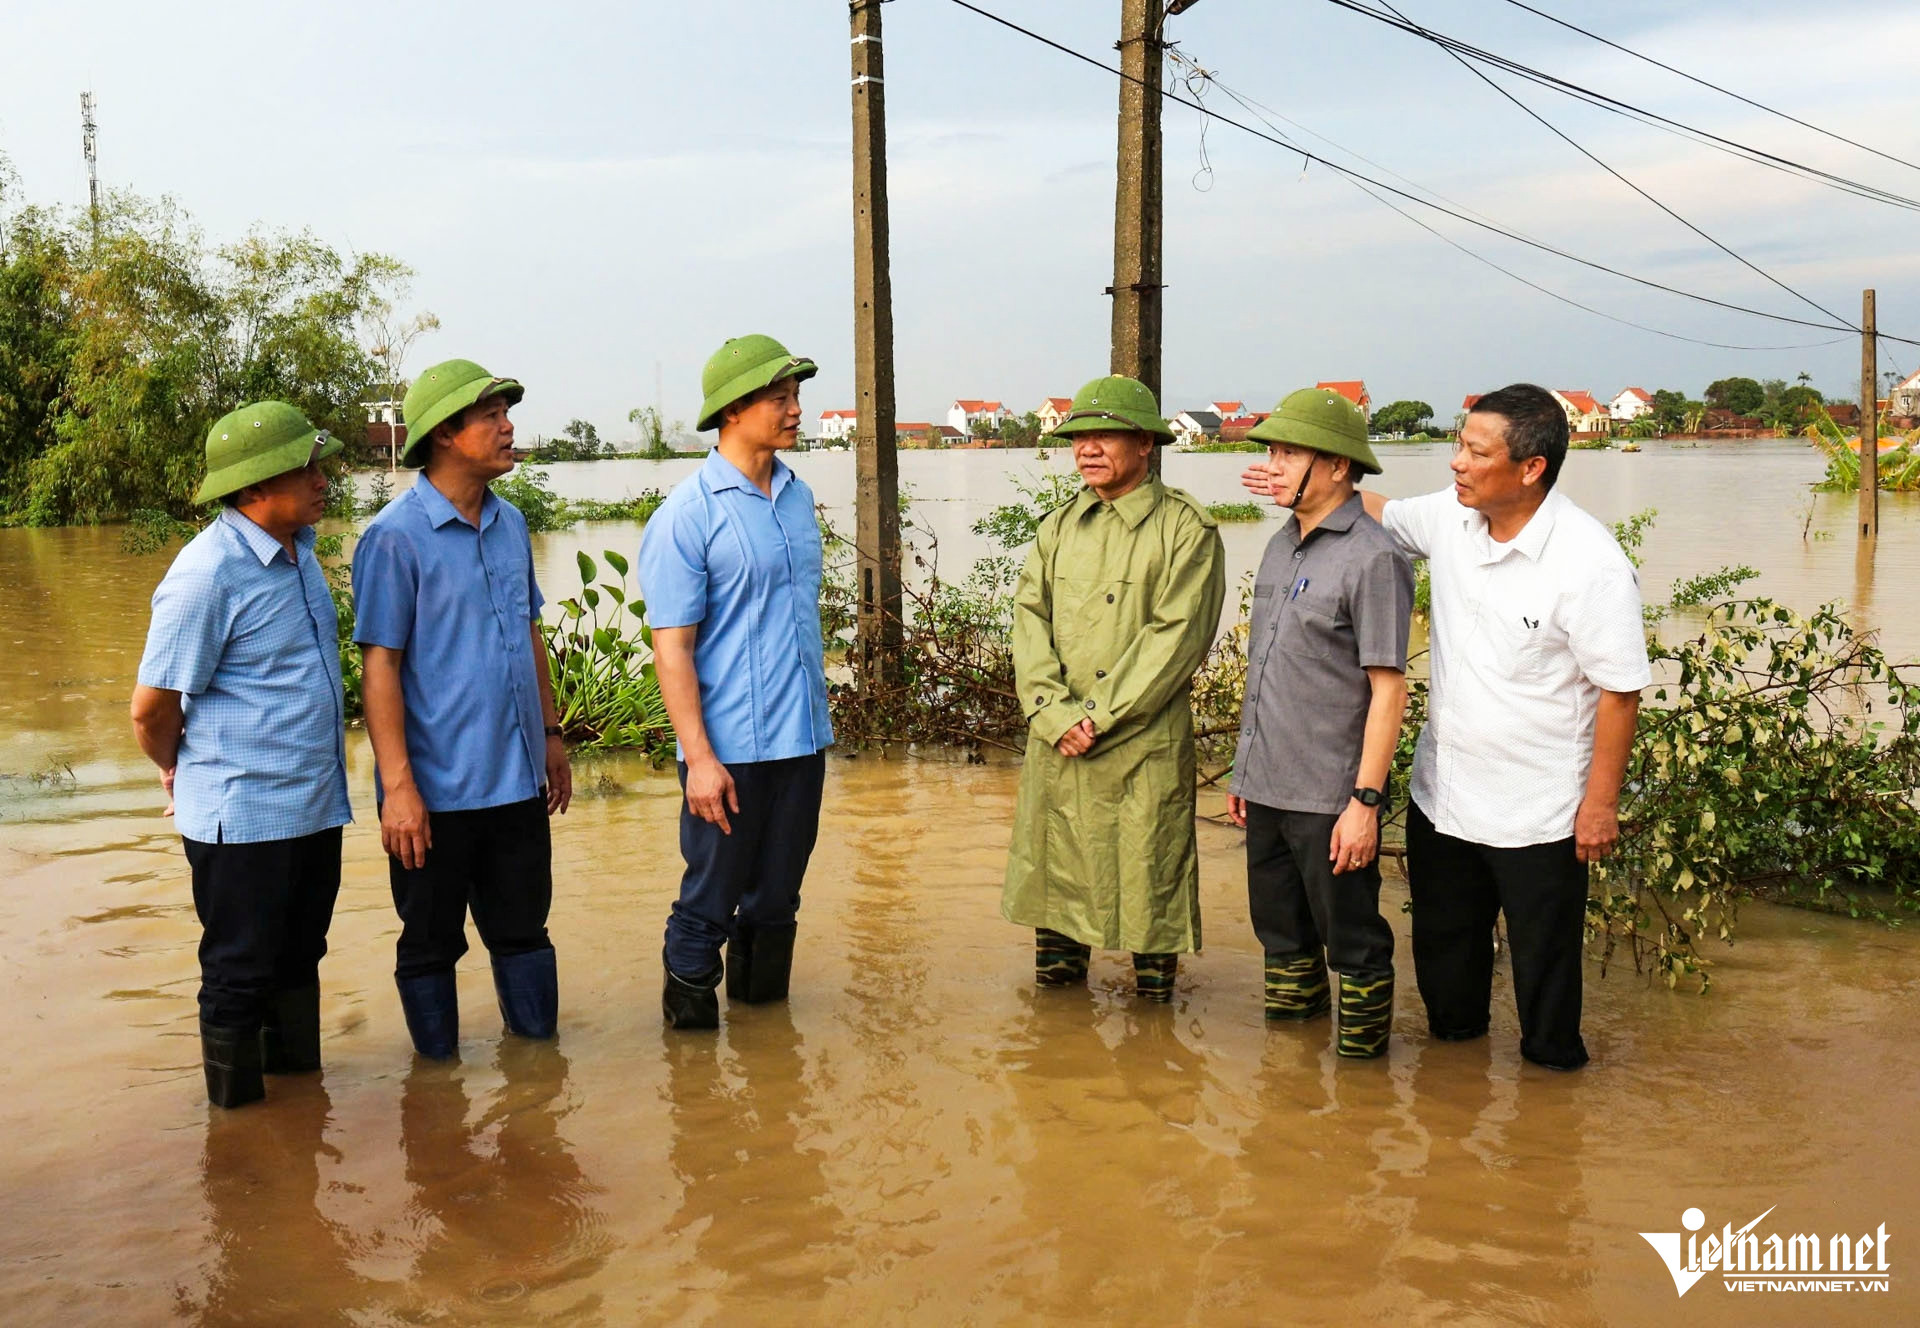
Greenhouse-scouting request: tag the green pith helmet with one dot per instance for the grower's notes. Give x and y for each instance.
(443, 392)
(1115, 402)
(257, 442)
(1320, 421)
(743, 366)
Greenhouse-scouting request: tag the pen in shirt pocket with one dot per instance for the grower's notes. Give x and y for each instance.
(1298, 586)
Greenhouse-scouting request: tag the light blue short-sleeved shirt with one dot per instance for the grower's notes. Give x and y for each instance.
(744, 569)
(458, 601)
(250, 640)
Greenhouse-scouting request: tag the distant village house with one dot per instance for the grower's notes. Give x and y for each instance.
(1052, 411)
(1631, 404)
(386, 431)
(1584, 414)
(1193, 426)
(965, 413)
(837, 425)
(1354, 391)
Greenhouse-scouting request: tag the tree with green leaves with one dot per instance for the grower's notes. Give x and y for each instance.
(1402, 417)
(1021, 431)
(1742, 396)
(116, 357)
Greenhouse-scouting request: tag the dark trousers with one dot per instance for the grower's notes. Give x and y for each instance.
(264, 911)
(1300, 907)
(755, 871)
(1458, 889)
(497, 861)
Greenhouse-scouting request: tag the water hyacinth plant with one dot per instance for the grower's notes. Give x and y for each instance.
(604, 684)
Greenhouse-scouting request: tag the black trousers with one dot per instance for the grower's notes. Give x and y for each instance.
(755, 871)
(497, 861)
(1458, 889)
(264, 912)
(1300, 907)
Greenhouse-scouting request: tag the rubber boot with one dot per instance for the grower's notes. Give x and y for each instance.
(760, 961)
(1296, 988)
(231, 1057)
(290, 1034)
(1059, 961)
(1153, 976)
(431, 1003)
(1366, 1015)
(690, 1002)
(528, 986)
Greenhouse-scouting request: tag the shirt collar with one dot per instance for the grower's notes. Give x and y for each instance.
(1532, 539)
(1131, 507)
(721, 473)
(262, 545)
(441, 510)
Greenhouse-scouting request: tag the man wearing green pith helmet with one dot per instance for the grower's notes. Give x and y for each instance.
(730, 568)
(1326, 689)
(469, 761)
(1113, 613)
(239, 704)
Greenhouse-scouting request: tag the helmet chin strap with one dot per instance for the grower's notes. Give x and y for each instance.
(1305, 478)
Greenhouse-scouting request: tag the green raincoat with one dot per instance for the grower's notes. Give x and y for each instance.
(1113, 613)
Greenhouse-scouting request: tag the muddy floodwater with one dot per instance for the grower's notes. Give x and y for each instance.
(918, 1137)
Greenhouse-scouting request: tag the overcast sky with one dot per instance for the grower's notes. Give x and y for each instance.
(590, 193)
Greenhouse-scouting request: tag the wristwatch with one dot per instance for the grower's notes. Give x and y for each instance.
(1369, 797)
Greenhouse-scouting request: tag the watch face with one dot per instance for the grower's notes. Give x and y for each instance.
(1367, 797)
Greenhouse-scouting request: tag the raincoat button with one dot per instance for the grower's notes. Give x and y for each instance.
(1039, 700)
(1099, 673)
(1089, 705)
(1109, 599)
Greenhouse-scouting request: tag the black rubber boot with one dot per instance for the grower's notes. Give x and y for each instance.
(290, 1035)
(231, 1057)
(431, 1003)
(690, 1002)
(528, 986)
(760, 969)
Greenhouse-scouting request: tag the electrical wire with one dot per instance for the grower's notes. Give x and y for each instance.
(1568, 139)
(1348, 172)
(1758, 156)
(1725, 92)
(1254, 109)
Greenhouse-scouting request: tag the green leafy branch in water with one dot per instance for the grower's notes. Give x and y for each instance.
(527, 489)
(1236, 511)
(604, 684)
(1898, 468)
(1780, 757)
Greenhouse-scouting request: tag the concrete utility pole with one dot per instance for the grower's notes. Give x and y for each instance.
(1136, 195)
(876, 462)
(1869, 423)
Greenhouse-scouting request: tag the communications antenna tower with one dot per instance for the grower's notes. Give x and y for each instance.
(87, 129)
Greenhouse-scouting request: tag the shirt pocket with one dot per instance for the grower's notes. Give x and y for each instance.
(1092, 617)
(1519, 636)
(1310, 632)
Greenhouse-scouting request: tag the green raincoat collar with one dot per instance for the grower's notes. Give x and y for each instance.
(1133, 506)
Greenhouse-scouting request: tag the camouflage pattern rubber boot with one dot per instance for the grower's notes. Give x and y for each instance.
(1058, 961)
(1296, 988)
(1153, 976)
(1366, 1015)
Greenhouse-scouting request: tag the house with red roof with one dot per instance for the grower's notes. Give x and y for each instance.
(1354, 391)
(1236, 429)
(1584, 414)
(1630, 404)
(838, 425)
(1052, 411)
(1226, 410)
(967, 412)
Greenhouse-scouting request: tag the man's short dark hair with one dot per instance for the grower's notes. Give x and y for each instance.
(1536, 425)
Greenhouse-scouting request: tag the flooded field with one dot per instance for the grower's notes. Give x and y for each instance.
(920, 1137)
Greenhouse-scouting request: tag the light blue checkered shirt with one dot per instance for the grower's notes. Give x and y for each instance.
(249, 638)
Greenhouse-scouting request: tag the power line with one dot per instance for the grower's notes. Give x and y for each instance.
(1295, 148)
(1725, 92)
(1566, 138)
(1759, 156)
(1254, 108)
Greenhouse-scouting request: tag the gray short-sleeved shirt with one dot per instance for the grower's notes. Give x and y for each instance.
(1324, 611)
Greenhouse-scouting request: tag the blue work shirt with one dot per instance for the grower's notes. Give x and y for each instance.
(459, 601)
(250, 640)
(744, 569)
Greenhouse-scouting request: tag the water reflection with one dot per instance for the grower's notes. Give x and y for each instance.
(754, 1197)
(500, 1210)
(281, 1260)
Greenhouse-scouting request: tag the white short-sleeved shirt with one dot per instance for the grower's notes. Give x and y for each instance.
(1525, 636)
